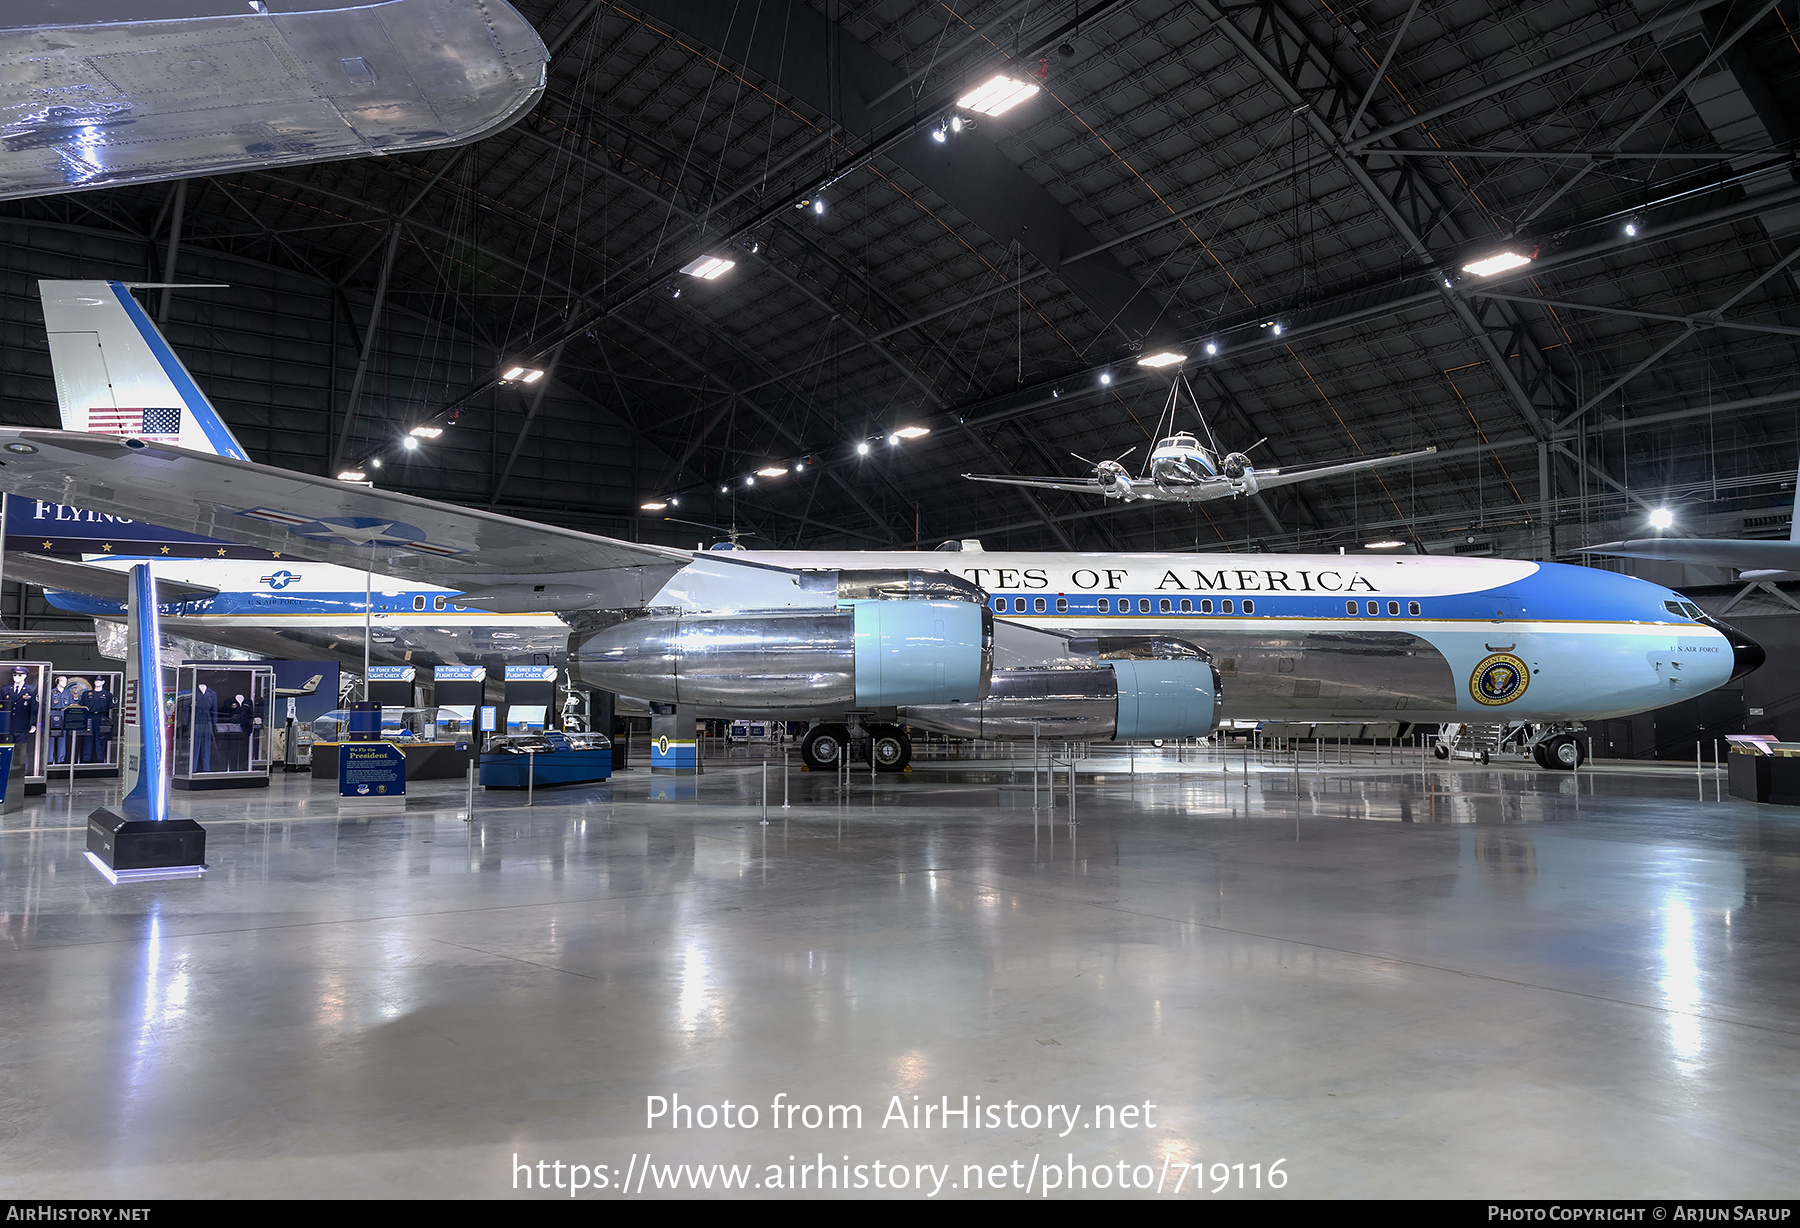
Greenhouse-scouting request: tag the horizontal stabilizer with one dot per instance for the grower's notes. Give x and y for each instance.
(62, 576)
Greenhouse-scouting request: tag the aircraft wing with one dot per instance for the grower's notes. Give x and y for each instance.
(325, 520)
(23, 639)
(1772, 555)
(1081, 486)
(65, 577)
(1267, 479)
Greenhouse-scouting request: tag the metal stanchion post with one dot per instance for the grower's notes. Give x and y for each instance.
(784, 778)
(765, 817)
(530, 776)
(469, 815)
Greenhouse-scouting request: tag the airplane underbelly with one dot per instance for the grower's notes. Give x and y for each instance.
(516, 638)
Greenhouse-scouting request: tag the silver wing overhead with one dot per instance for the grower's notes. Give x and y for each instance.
(328, 521)
(106, 92)
(1708, 552)
(1081, 486)
(1268, 478)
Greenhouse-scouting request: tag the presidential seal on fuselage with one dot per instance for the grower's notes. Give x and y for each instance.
(1499, 679)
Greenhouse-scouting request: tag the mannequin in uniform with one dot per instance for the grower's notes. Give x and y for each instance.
(100, 702)
(237, 715)
(22, 704)
(59, 738)
(206, 716)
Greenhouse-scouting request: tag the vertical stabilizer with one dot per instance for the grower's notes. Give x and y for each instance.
(1794, 528)
(146, 785)
(116, 375)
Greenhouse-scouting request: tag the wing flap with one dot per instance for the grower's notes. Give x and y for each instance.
(1081, 486)
(1269, 478)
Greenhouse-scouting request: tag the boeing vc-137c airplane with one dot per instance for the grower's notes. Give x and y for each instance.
(1077, 646)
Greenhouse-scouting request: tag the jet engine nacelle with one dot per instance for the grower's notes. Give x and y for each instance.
(1118, 701)
(872, 654)
(1114, 481)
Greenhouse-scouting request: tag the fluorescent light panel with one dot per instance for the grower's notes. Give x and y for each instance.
(771, 471)
(913, 432)
(1162, 358)
(1499, 262)
(427, 432)
(1000, 94)
(708, 267)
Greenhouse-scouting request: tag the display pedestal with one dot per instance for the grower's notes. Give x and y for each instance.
(231, 780)
(13, 800)
(128, 850)
(674, 748)
(1748, 775)
(371, 779)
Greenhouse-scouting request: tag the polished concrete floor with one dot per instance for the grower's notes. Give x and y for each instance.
(1449, 981)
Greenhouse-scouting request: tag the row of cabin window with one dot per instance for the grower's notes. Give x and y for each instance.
(1165, 606)
(437, 603)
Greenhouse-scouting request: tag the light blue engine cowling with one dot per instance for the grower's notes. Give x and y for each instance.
(1165, 699)
(919, 652)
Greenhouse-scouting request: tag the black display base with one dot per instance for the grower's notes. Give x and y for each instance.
(197, 784)
(138, 844)
(36, 788)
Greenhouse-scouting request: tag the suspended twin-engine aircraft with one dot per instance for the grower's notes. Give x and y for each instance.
(1181, 469)
(996, 645)
(107, 92)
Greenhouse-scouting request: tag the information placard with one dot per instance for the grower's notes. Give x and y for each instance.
(371, 770)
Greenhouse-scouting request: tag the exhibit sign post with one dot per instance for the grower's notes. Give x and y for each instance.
(139, 840)
(371, 778)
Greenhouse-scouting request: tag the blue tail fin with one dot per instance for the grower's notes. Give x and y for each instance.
(116, 375)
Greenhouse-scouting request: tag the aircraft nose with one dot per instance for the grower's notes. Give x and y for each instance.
(1747, 655)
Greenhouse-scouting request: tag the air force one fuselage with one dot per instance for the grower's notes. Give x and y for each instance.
(1083, 646)
(1305, 637)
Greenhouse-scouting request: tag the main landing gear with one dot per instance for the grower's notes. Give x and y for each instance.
(826, 745)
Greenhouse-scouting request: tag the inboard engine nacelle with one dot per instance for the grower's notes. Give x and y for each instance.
(1118, 700)
(870, 654)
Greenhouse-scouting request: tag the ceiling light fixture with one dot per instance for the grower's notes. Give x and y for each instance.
(772, 471)
(1499, 262)
(523, 375)
(376, 463)
(427, 432)
(1162, 358)
(1661, 518)
(353, 475)
(1106, 377)
(652, 506)
(708, 267)
(410, 444)
(1212, 347)
(939, 135)
(998, 95)
(862, 449)
(819, 207)
(1388, 545)
(913, 432)
(1631, 228)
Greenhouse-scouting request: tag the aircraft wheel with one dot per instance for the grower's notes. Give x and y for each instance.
(1440, 751)
(1539, 757)
(824, 746)
(891, 748)
(1563, 753)
(1484, 758)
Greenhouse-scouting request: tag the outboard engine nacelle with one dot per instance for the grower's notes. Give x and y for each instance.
(1236, 465)
(867, 654)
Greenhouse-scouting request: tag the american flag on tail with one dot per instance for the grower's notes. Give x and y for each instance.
(162, 424)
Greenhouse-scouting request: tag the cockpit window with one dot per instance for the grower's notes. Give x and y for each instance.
(1674, 607)
(1693, 610)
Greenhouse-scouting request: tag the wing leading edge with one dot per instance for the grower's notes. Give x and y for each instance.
(317, 518)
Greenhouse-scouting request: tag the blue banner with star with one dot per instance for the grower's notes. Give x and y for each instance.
(54, 528)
